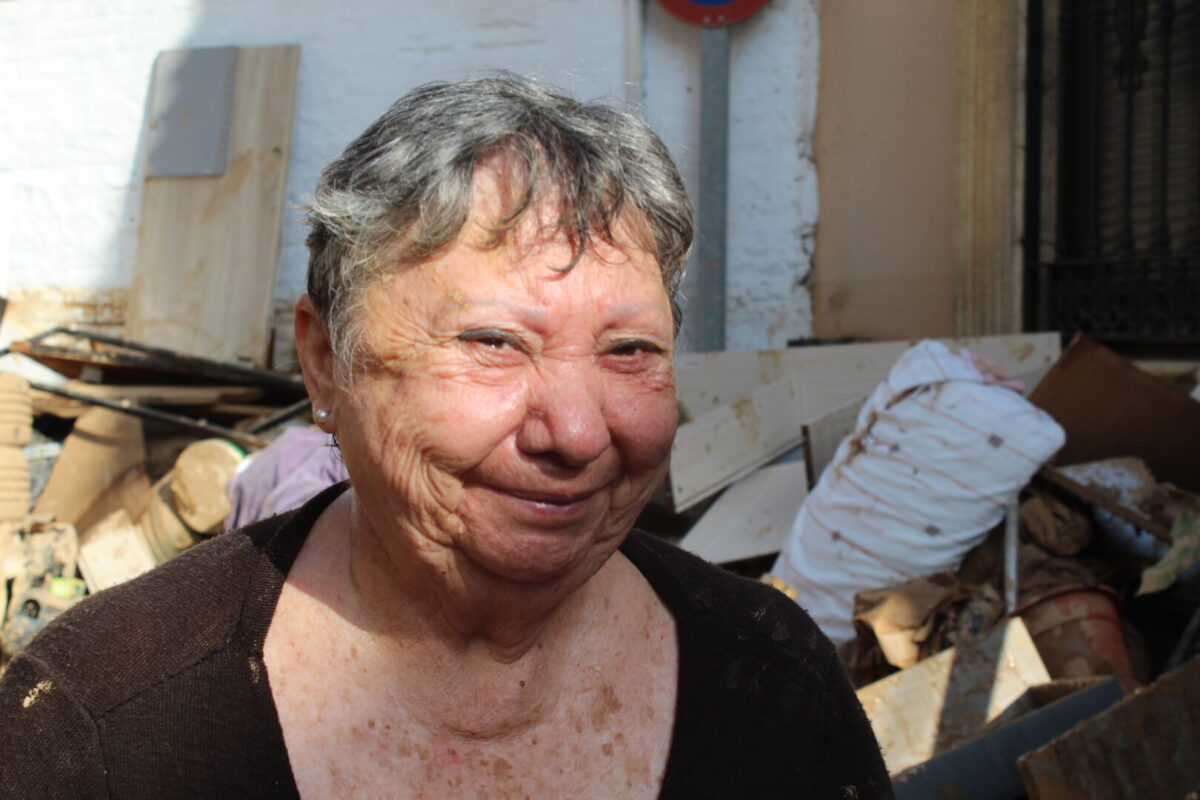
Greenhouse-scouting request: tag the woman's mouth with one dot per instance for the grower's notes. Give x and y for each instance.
(547, 507)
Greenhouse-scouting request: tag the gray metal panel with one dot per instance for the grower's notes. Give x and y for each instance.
(191, 105)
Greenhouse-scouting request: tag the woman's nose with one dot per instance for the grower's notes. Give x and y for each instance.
(564, 417)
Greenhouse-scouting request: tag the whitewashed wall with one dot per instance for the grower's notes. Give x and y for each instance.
(74, 76)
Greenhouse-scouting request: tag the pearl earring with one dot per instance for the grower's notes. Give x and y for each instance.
(322, 416)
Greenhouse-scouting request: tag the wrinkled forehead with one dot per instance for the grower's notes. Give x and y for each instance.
(506, 210)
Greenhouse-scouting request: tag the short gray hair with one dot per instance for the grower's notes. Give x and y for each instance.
(404, 189)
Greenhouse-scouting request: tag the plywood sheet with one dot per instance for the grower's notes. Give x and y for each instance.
(946, 699)
(825, 434)
(205, 272)
(729, 443)
(833, 375)
(753, 517)
(1147, 745)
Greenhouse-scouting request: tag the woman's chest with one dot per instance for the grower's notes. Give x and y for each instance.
(344, 740)
(352, 731)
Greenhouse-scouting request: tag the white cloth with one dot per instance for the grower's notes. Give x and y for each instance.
(938, 452)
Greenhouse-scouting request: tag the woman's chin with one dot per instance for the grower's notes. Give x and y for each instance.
(539, 556)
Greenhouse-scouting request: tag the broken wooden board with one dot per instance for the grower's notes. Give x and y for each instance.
(100, 451)
(724, 445)
(113, 551)
(833, 374)
(946, 699)
(205, 273)
(154, 395)
(752, 517)
(1147, 745)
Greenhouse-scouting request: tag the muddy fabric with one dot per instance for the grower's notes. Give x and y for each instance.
(157, 688)
(1054, 525)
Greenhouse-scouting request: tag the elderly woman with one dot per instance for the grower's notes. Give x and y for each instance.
(488, 332)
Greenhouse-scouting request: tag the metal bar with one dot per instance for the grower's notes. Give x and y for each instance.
(714, 183)
(133, 409)
(1011, 545)
(1163, 233)
(1130, 19)
(1096, 21)
(197, 364)
(1195, 244)
(1033, 288)
(283, 415)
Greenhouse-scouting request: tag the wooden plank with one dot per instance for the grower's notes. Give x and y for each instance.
(152, 395)
(752, 517)
(824, 434)
(1147, 745)
(833, 375)
(205, 271)
(729, 443)
(944, 700)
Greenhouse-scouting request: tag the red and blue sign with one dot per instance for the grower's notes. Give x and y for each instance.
(712, 13)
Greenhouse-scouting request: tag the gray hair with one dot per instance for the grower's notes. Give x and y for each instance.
(403, 190)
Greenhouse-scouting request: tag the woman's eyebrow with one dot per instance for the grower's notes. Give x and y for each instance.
(463, 303)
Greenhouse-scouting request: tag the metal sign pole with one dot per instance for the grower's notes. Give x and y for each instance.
(714, 184)
(715, 17)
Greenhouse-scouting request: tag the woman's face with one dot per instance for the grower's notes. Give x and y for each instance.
(511, 413)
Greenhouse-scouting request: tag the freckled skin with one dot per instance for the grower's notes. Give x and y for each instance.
(460, 622)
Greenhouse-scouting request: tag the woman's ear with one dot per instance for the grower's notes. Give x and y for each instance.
(317, 360)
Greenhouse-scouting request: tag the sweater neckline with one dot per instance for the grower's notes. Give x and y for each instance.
(283, 547)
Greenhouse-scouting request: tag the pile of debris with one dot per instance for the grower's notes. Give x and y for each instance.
(996, 569)
(123, 462)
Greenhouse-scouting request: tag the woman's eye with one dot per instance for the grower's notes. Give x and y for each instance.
(634, 347)
(491, 339)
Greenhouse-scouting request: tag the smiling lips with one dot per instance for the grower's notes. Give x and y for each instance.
(562, 507)
(548, 498)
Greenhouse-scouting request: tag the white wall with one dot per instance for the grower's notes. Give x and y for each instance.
(772, 204)
(74, 76)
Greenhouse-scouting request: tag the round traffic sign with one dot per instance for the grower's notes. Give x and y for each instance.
(712, 13)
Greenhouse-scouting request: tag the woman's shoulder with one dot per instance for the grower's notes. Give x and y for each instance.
(112, 645)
